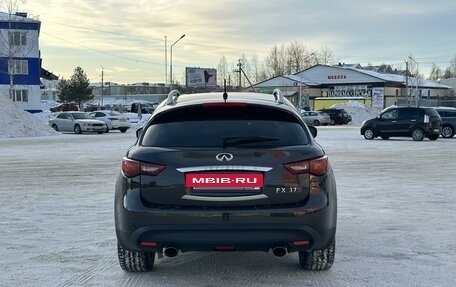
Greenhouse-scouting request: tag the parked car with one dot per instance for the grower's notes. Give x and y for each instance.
(235, 172)
(316, 118)
(65, 107)
(91, 107)
(77, 122)
(448, 116)
(113, 120)
(146, 107)
(415, 122)
(338, 116)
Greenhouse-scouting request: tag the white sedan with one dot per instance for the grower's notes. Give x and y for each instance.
(113, 120)
(77, 122)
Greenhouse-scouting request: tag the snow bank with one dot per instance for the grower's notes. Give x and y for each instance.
(16, 122)
(358, 111)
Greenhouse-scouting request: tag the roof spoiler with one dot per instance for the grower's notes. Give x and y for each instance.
(278, 96)
(172, 96)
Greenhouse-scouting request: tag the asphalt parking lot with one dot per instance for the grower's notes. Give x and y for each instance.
(396, 223)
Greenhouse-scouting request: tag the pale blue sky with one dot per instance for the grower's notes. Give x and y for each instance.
(127, 38)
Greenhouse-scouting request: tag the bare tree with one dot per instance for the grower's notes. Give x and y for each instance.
(452, 68)
(286, 59)
(325, 56)
(276, 61)
(222, 71)
(436, 73)
(298, 57)
(254, 69)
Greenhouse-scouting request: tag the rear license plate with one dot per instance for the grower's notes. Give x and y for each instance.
(224, 180)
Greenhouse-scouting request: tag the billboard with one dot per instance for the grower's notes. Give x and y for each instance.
(201, 77)
(378, 95)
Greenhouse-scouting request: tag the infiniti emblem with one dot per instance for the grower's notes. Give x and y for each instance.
(224, 156)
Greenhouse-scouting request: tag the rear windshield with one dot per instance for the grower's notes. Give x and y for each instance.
(244, 127)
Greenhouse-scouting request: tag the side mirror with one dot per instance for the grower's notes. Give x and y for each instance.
(313, 131)
(139, 132)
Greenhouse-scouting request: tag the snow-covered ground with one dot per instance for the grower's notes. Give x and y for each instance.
(396, 223)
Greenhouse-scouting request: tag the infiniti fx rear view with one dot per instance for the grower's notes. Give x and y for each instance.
(218, 172)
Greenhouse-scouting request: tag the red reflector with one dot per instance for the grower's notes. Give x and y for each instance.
(301, 243)
(148, 243)
(224, 105)
(225, 248)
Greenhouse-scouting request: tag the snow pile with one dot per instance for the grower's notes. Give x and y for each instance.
(16, 122)
(358, 111)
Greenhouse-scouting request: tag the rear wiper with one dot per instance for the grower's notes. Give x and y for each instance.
(234, 141)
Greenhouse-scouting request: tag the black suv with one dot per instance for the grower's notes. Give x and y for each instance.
(225, 172)
(448, 116)
(415, 122)
(338, 116)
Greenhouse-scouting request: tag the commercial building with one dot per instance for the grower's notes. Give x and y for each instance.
(321, 86)
(20, 60)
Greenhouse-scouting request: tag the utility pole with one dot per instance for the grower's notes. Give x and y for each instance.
(239, 70)
(102, 72)
(406, 82)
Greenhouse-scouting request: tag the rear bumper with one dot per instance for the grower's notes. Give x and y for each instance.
(93, 129)
(233, 237)
(208, 230)
(121, 125)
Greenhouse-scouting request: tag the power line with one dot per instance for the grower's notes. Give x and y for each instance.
(103, 52)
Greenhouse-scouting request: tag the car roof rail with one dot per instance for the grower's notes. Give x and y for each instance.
(172, 97)
(278, 96)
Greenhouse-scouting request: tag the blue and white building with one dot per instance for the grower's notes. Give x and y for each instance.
(20, 62)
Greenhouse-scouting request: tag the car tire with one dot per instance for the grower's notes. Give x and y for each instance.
(369, 134)
(447, 132)
(77, 129)
(123, 130)
(107, 129)
(54, 126)
(433, 137)
(317, 260)
(135, 261)
(332, 122)
(316, 123)
(417, 134)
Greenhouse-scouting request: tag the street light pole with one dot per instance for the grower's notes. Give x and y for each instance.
(166, 61)
(171, 64)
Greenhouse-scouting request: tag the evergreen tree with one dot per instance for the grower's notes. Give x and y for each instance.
(64, 90)
(79, 87)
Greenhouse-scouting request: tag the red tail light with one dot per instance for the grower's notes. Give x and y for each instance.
(317, 166)
(132, 168)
